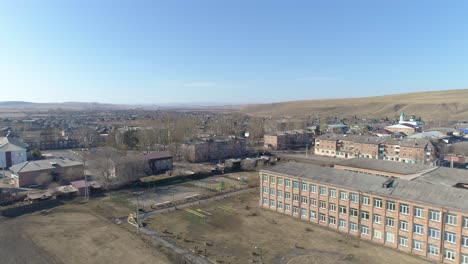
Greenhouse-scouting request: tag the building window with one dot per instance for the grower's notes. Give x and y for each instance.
(295, 184)
(304, 200)
(377, 219)
(465, 222)
(322, 218)
(279, 193)
(342, 223)
(353, 197)
(272, 180)
(434, 215)
(419, 212)
(280, 205)
(295, 197)
(313, 188)
(464, 259)
(353, 212)
(377, 203)
(279, 181)
(265, 189)
(434, 233)
(404, 225)
(451, 219)
(418, 229)
(313, 202)
(287, 183)
(265, 178)
(272, 203)
(433, 250)
(295, 210)
(391, 206)
(390, 222)
(404, 209)
(303, 212)
(304, 187)
(403, 241)
(265, 201)
(377, 234)
(343, 196)
(272, 191)
(332, 220)
(364, 230)
(353, 226)
(332, 207)
(449, 254)
(450, 237)
(323, 205)
(287, 207)
(313, 215)
(323, 190)
(364, 215)
(287, 195)
(464, 241)
(389, 237)
(417, 245)
(342, 209)
(365, 200)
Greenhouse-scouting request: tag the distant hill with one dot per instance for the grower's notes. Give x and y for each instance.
(437, 105)
(80, 106)
(29, 106)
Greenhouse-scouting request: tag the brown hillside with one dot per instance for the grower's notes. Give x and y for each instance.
(438, 105)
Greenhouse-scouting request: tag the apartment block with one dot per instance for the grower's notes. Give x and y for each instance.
(213, 148)
(422, 216)
(409, 150)
(288, 139)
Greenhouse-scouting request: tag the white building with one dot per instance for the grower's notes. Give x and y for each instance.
(412, 121)
(12, 152)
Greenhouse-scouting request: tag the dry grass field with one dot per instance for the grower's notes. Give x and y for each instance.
(233, 227)
(439, 105)
(74, 234)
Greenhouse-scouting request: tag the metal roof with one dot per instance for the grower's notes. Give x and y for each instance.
(428, 192)
(38, 165)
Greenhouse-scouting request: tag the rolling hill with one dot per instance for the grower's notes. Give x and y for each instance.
(437, 105)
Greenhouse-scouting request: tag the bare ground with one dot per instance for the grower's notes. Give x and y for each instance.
(229, 232)
(73, 234)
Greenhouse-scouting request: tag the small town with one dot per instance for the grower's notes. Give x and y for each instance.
(233, 132)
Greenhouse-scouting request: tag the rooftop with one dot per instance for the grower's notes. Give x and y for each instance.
(427, 191)
(38, 165)
(11, 144)
(384, 165)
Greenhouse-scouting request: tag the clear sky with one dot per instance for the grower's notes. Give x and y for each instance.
(220, 51)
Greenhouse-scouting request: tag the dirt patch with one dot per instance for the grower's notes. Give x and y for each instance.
(236, 230)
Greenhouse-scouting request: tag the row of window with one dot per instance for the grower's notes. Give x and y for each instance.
(434, 215)
(389, 221)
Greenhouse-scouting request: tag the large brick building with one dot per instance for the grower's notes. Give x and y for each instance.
(44, 172)
(288, 139)
(213, 148)
(410, 150)
(426, 216)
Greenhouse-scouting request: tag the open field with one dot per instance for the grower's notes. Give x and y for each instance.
(434, 106)
(73, 233)
(230, 229)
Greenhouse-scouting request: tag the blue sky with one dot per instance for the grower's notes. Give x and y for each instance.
(228, 51)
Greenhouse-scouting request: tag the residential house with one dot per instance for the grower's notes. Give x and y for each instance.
(12, 152)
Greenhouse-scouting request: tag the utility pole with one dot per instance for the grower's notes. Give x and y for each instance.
(307, 150)
(137, 214)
